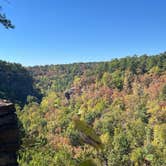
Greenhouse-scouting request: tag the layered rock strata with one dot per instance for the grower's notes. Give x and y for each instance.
(9, 135)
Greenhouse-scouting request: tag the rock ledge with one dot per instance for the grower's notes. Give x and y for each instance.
(9, 135)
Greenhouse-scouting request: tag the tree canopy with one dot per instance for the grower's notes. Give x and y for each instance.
(115, 114)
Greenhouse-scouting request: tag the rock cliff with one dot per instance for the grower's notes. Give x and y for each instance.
(9, 136)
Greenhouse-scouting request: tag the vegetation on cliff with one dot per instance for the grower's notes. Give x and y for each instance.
(16, 83)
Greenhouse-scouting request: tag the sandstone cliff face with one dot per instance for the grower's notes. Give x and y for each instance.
(9, 141)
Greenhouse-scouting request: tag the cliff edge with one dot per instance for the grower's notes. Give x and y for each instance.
(9, 135)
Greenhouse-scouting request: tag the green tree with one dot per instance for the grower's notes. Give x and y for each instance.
(5, 21)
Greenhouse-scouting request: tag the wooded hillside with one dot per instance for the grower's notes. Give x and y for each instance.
(16, 83)
(105, 114)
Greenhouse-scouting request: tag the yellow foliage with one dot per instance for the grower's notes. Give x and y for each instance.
(160, 135)
(105, 138)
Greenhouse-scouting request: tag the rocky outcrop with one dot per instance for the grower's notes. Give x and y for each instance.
(9, 142)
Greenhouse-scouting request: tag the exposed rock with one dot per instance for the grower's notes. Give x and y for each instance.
(9, 136)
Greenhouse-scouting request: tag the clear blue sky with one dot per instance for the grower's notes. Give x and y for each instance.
(66, 31)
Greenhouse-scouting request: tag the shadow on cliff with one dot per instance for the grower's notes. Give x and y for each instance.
(9, 137)
(16, 83)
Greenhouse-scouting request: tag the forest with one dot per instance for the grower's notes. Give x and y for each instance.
(90, 114)
(16, 83)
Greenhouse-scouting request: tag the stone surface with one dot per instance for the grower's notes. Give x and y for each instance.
(9, 134)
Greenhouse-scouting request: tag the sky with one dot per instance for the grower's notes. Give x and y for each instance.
(67, 31)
